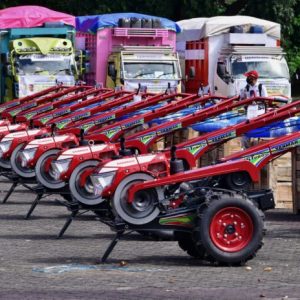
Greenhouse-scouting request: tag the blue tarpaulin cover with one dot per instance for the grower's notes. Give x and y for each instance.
(96, 22)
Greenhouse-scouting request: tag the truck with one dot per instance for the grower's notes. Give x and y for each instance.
(37, 50)
(216, 52)
(128, 49)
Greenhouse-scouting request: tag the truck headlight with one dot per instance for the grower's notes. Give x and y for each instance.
(101, 181)
(27, 155)
(59, 167)
(4, 147)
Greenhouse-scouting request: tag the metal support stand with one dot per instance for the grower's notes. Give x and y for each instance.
(10, 191)
(67, 223)
(112, 245)
(33, 205)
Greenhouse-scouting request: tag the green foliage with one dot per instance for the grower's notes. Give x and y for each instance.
(285, 12)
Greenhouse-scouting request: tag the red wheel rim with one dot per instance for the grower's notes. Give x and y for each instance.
(231, 229)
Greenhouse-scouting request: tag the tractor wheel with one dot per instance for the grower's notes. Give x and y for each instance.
(15, 161)
(144, 208)
(84, 193)
(187, 243)
(43, 175)
(231, 230)
(239, 181)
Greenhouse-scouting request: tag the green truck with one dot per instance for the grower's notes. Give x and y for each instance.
(35, 58)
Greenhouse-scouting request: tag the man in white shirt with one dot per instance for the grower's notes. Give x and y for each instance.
(253, 88)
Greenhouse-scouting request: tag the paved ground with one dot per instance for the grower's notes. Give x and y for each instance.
(35, 265)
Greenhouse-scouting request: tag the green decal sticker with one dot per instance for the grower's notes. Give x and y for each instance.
(184, 220)
(86, 127)
(147, 138)
(45, 119)
(62, 124)
(285, 146)
(195, 149)
(14, 112)
(111, 132)
(30, 115)
(258, 157)
(221, 137)
(105, 119)
(133, 123)
(169, 129)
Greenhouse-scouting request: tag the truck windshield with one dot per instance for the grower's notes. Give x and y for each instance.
(150, 70)
(266, 69)
(52, 64)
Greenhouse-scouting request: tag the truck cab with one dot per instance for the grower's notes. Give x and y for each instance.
(128, 50)
(37, 51)
(34, 64)
(153, 67)
(216, 52)
(270, 63)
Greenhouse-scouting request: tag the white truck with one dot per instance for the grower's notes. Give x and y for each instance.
(216, 52)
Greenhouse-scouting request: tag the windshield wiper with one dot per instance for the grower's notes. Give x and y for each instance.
(142, 74)
(39, 71)
(164, 74)
(60, 71)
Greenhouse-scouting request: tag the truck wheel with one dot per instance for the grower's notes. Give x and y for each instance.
(84, 194)
(42, 175)
(239, 181)
(231, 230)
(187, 243)
(15, 161)
(144, 207)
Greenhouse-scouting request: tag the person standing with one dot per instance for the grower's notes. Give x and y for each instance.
(253, 88)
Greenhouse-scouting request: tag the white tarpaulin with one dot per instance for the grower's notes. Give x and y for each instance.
(198, 28)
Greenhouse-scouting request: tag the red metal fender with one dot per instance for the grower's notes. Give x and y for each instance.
(216, 170)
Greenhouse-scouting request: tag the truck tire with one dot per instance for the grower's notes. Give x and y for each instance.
(16, 164)
(44, 177)
(231, 230)
(144, 209)
(84, 194)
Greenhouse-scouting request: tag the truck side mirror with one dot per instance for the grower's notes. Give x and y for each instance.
(223, 73)
(112, 72)
(192, 72)
(8, 70)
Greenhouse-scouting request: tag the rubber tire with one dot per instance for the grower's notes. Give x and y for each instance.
(14, 165)
(187, 243)
(230, 258)
(72, 184)
(117, 208)
(39, 176)
(231, 185)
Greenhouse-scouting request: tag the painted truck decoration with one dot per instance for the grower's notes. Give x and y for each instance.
(36, 57)
(130, 49)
